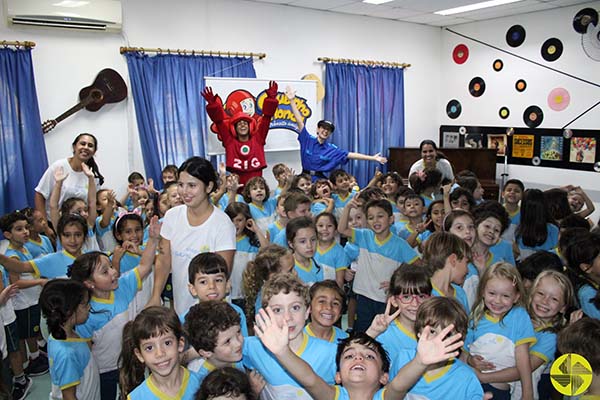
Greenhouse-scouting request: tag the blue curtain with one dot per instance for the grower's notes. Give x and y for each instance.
(170, 111)
(366, 104)
(23, 157)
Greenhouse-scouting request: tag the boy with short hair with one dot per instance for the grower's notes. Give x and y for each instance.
(342, 188)
(170, 173)
(24, 331)
(415, 231)
(282, 173)
(326, 302)
(209, 280)
(295, 205)
(512, 193)
(362, 363)
(381, 252)
(288, 300)
(214, 331)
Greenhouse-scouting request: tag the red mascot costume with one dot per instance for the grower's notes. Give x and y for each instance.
(243, 136)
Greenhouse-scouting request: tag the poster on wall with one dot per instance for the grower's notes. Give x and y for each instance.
(451, 140)
(551, 148)
(474, 141)
(250, 93)
(583, 150)
(522, 146)
(497, 142)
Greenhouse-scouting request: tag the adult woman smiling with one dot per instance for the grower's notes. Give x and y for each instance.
(430, 158)
(194, 227)
(85, 146)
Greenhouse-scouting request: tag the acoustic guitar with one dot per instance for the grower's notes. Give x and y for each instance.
(108, 87)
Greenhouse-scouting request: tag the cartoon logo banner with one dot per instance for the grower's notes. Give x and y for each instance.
(249, 94)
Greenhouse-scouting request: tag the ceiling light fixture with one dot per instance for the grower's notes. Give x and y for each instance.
(376, 1)
(476, 6)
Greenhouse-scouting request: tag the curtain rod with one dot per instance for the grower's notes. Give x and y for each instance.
(363, 62)
(192, 52)
(17, 43)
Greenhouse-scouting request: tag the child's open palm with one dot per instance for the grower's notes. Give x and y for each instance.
(433, 348)
(273, 336)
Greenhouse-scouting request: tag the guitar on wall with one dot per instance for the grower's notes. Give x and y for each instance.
(108, 87)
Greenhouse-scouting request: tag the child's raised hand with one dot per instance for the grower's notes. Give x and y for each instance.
(251, 225)
(222, 169)
(422, 226)
(154, 231)
(119, 251)
(60, 175)
(446, 188)
(130, 247)
(8, 293)
(433, 348)
(290, 93)
(273, 336)
(87, 170)
(382, 321)
(480, 363)
(151, 188)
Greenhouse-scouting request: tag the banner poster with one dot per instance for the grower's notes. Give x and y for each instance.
(451, 140)
(497, 142)
(250, 94)
(522, 146)
(551, 148)
(583, 150)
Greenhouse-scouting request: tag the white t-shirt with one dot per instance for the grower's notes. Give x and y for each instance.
(75, 185)
(216, 234)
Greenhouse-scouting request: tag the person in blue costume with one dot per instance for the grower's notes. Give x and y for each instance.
(317, 155)
(362, 364)
(154, 340)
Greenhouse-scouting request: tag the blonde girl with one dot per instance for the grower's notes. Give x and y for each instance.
(500, 333)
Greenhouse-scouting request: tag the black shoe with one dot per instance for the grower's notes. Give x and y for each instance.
(37, 367)
(20, 390)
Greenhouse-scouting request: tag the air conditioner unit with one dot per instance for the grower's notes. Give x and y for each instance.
(96, 15)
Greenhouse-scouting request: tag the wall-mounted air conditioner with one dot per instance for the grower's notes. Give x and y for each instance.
(97, 15)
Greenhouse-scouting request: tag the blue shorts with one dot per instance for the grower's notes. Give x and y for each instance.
(12, 337)
(28, 322)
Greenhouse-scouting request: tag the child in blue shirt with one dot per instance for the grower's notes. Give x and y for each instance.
(215, 334)
(280, 219)
(415, 231)
(301, 235)
(65, 303)
(320, 192)
(381, 253)
(38, 244)
(154, 340)
(326, 302)
(295, 205)
(500, 333)
(583, 263)
(226, 383)
(262, 206)
(330, 254)
(536, 230)
(512, 193)
(340, 180)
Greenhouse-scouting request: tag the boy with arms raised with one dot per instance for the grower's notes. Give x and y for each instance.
(380, 254)
(362, 364)
(288, 300)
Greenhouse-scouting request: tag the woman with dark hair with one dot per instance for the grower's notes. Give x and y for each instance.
(431, 158)
(75, 184)
(194, 227)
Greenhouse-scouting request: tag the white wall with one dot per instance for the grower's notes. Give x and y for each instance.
(483, 111)
(293, 38)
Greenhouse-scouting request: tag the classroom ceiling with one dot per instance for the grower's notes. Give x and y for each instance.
(421, 11)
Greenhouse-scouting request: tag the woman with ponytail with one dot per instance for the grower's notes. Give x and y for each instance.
(66, 303)
(75, 184)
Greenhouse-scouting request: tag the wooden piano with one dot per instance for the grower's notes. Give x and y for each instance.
(480, 161)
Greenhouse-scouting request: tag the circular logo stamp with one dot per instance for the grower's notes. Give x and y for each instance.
(571, 374)
(245, 149)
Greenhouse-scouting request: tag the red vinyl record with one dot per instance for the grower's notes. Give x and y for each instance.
(460, 54)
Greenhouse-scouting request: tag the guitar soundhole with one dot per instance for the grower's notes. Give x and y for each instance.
(96, 94)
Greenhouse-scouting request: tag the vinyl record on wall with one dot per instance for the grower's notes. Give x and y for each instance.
(515, 36)
(533, 116)
(583, 18)
(504, 112)
(559, 99)
(453, 108)
(460, 53)
(552, 49)
(476, 86)
(591, 42)
(498, 65)
(521, 85)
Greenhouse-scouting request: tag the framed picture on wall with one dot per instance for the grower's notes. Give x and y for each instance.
(497, 142)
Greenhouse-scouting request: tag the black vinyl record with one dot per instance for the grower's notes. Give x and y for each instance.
(504, 112)
(583, 18)
(515, 36)
(476, 86)
(498, 65)
(533, 116)
(453, 108)
(552, 49)
(521, 85)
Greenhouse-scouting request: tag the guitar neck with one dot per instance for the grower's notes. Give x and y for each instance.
(71, 111)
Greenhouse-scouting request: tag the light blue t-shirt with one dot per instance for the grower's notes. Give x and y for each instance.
(147, 390)
(206, 368)
(319, 354)
(53, 265)
(72, 364)
(309, 275)
(281, 238)
(265, 214)
(397, 337)
(273, 230)
(41, 248)
(332, 259)
(342, 394)
(549, 244)
(224, 200)
(585, 294)
(459, 294)
(336, 334)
